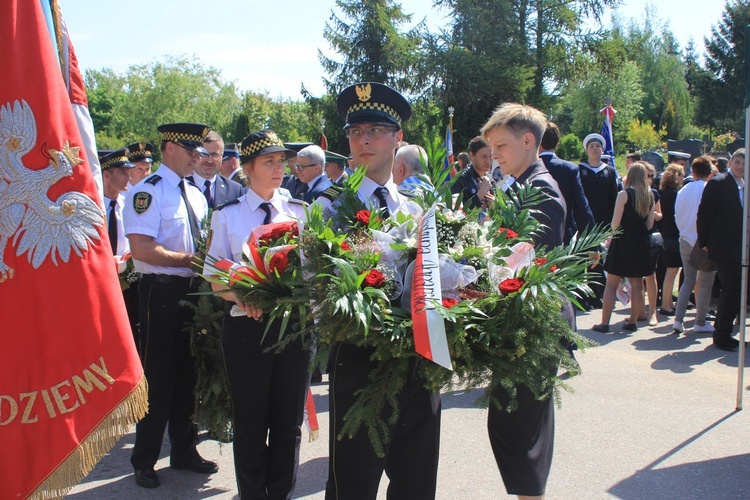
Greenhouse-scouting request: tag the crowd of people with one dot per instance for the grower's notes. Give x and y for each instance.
(156, 216)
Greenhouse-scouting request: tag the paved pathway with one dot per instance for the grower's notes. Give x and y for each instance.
(652, 417)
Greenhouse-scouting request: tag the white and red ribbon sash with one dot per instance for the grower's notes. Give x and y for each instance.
(429, 327)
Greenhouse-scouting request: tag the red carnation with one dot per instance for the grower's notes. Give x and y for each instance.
(449, 302)
(509, 233)
(374, 278)
(363, 217)
(279, 262)
(540, 261)
(345, 246)
(510, 285)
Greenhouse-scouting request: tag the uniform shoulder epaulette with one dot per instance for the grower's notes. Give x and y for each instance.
(153, 180)
(227, 203)
(331, 193)
(407, 192)
(296, 201)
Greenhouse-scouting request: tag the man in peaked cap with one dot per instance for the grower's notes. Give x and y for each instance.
(374, 114)
(163, 215)
(116, 170)
(230, 166)
(141, 156)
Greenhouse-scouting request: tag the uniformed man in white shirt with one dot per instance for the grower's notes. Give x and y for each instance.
(162, 221)
(116, 168)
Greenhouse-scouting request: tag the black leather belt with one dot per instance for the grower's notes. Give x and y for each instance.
(168, 279)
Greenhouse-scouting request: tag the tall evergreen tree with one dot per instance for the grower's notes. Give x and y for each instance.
(369, 39)
(725, 59)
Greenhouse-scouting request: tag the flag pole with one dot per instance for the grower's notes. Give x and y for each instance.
(746, 200)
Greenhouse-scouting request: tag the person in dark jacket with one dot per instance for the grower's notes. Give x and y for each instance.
(522, 440)
(719, 227)
(579, 217)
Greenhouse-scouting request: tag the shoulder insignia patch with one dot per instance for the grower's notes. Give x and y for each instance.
(227, 203)
(141, 201)
(153, 180)
(331, 193)
(296, 201)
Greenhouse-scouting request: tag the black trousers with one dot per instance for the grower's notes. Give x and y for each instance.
(132, 307)
(729, 298)
(411, 458)
(268, 397)
(169, 369)
(523, 441)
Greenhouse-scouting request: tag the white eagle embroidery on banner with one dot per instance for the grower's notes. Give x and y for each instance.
(42, 227)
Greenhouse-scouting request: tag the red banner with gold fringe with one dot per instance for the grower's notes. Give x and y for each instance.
(71, 382)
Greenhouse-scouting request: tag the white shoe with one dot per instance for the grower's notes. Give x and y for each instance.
(707, 328)
(677, 327)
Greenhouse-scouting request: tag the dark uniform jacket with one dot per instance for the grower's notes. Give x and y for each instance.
(719, 220)
(551, 212)
(579, 216)
(601, 192)
(225, 190)
(467, 183)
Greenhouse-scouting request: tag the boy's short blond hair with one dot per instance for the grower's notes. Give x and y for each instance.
(519, 118)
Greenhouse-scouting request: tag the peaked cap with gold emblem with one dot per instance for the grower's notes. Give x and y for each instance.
(190, 135)
(117, 158)
(372, 102)
(141, 151)
(262, 143)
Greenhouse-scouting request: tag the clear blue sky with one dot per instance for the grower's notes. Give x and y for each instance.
(272, 46)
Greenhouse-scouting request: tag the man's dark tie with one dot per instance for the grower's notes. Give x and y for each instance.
(267, 209)
(194, 229)
(112, 226)
(207, 194)
(382, 194)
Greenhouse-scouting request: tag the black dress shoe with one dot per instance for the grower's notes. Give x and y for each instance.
(195, 464)
(728, 344)
(601, 328)
(146, 478)
(666, 312)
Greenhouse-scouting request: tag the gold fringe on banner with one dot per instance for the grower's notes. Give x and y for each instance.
(97, 444)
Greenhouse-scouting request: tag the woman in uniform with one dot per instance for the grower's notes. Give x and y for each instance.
(268, 389)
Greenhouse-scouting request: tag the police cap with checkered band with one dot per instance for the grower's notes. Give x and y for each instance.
(372, 103)
(190, 135)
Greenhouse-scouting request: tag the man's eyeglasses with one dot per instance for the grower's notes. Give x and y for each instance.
(373, 132)
(301, 167)
(195, 154)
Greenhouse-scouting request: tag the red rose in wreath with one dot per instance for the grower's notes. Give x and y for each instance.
(345, 246)
(540, 261)
(374, 279)
(279, 262)
(449, 302)
(278, 230)
(510, 285)
(509, 233)
(363, 217)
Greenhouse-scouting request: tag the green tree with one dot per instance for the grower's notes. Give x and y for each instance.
(478, 63)
(583, 101)
(129, 107)
(570, 148)
(725, 60)
(371, 45)
(666, 100)
(644, 136)
(555, 32)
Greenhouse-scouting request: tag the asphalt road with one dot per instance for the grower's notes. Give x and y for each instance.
(652, 417)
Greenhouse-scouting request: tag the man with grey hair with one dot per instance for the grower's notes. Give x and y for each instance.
(408, 171)
(309, 166)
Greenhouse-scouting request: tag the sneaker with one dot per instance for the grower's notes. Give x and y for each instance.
(677, 327)
(601, 328)
(707, 328)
